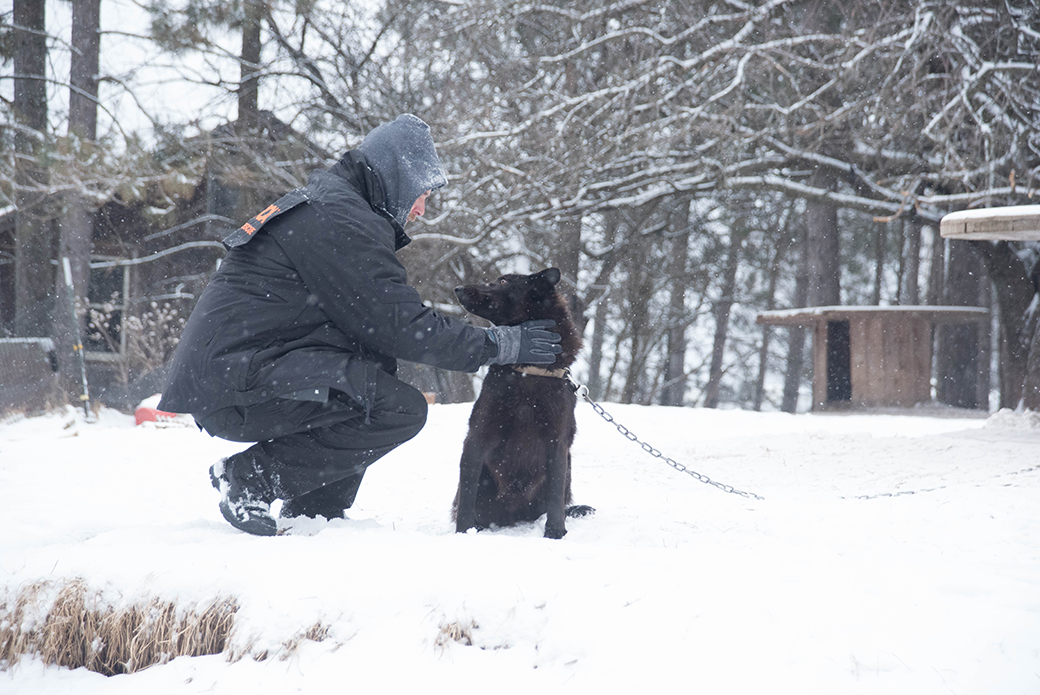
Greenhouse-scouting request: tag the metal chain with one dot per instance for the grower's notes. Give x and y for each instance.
(583, 391)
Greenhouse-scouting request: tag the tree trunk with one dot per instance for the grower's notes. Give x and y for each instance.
(674, 389)
(34, 231)
(936, 269)
(568, 241)
(936, 275)
(83, 73)
(985, 358)
(599, 330)
(601, 286)
(910, 292)
(640, 293)
(824, 265)
(722, 311)
(796, 336)
(822, 258)
(568, 259)
(880, 239)
(957, 351)
(1016, 293)
(77, 222)
(782, 244)
(1031, 387)
(249, 66)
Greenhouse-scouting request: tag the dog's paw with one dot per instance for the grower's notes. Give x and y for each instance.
(555, 533)
(577, 511)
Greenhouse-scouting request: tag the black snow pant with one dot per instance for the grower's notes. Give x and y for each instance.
(314, 455)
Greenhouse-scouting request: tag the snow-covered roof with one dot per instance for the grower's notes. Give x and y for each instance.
(1012, 223)
(807, 316)
(45, 344)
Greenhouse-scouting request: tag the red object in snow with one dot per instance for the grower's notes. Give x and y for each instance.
(146, 414)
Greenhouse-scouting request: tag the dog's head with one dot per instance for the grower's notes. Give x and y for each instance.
(513, 299)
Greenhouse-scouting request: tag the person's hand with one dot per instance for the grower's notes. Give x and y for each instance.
(528, 343)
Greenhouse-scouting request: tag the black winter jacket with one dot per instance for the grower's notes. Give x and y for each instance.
(316, 299)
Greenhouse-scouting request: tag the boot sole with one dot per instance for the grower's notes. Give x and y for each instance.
(253, 524)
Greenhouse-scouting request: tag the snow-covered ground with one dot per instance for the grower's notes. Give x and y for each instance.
(893, 553)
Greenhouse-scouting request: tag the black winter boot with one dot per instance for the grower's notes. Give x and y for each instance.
(245, 497)
(293, 509)
(328, 501)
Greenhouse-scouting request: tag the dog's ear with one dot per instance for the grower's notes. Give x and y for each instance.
(550, 275)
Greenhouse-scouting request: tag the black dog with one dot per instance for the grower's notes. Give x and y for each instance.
(516, 461)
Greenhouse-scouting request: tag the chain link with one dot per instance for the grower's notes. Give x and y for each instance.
(583, 391)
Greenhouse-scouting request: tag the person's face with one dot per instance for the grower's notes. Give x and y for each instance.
(419, 208)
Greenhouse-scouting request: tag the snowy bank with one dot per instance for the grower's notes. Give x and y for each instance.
(893, 553)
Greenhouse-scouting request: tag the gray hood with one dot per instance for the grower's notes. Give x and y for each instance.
(402, 154)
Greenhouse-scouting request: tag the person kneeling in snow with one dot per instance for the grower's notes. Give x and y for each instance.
(295, 340)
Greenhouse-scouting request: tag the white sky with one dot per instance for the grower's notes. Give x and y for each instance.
(164, 87)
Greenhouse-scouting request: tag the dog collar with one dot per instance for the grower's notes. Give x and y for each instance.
(538, 371)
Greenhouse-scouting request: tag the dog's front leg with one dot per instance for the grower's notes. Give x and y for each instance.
(556, 483)
(469, 476)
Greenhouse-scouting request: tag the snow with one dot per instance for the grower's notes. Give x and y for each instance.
(1013, 223)
(934, 310)
(990, 213)
(893, 553)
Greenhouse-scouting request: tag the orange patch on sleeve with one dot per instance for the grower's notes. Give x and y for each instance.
(268, 211)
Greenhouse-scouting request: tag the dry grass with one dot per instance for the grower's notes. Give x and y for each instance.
(79, 630)
(315, 633)
(318, 632)
(455, 631)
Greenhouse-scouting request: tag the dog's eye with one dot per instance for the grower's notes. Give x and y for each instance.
(503, 281)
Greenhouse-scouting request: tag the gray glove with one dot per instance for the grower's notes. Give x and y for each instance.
(528, 343)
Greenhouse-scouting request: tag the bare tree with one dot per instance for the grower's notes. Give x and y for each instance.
(551, 116)
(795, 363)
(909, 291)
(784, 241)
(601, 300)
(640, 291)
(693, 100)
(957, 353)
(76, 226)
(674, 388)
(722, 313)
(249, 65)
(34, 232)
(1015, 270)
(554, 117)
(880, 241)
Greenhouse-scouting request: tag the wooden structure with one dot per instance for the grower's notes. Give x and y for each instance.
(1013, 223)
(870, 356)
(28, 375)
